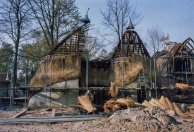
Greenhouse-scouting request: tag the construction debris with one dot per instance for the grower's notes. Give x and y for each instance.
(119, 104)
(165, 103)
(184, 107)
(152, 118)
(170, 105)
(177, 110)
(20, 113)
(86, 103)
(156, 103)
(184, 86)
(43, 120)
(53, 112)
(113, 90)
(133, 119)
(127, 102)
(146, 103)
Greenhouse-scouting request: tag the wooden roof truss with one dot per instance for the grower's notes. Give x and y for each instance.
(74, 43)
(131, 44)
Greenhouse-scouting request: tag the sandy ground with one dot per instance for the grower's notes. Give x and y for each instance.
(150, 119)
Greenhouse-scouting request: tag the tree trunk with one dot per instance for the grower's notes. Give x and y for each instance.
(16, 55)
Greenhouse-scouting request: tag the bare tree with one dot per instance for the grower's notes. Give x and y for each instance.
(93, 48)
(14, 22)
(156, 38)
(56, 18)
(116, 16)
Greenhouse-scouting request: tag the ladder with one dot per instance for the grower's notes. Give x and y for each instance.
(142, 86)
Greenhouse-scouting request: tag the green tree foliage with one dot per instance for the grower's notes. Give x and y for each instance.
(14, 22)
(31, 56)
(48, 20)
(6, 55)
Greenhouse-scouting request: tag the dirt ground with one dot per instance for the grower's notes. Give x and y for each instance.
(150, 119)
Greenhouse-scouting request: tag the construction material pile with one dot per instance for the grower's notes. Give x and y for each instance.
(184, 86)
(109, 106)
(119, 104)
(152, 118)
(165, 103)
(113, 90)
(86, 103)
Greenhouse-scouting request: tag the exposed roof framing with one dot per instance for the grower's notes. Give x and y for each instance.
(180, 49)
(185, 47)
(157, 54)
(131, 44)
(74, 43)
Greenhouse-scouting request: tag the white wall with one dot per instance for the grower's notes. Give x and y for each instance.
(57, 98)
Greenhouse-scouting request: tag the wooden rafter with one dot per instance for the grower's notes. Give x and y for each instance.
(74, 43)
(180, 46)
(131, 44)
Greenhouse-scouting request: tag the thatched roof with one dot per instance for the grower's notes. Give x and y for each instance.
(64, 67)
(107, 72)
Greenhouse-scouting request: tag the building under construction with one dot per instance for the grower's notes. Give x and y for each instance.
(64, 74)
(175, 63)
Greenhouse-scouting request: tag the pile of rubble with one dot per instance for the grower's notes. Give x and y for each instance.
(165, 103)
(152, 118)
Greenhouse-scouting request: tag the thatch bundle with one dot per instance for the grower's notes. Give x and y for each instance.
(85, 102)
(183, 86)
(166, 104)
(113, 90)
(119, 104)
(170, 105)
(127, 102)
(155, 101)
(146, 103)
(162, 100)
(113, 105)
(64, 67)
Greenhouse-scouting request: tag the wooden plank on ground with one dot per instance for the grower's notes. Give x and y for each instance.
(22, 121)
(53, 112)
(18, 114)
(56, 117)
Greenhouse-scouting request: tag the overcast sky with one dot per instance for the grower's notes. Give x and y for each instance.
(175, 17)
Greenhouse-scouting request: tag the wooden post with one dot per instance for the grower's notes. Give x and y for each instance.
(51, 80)
(46, 82)
(186, 72)
(182, 64)
(87, 72)
(155, 77)
(168, 75)
(173, 69)
(151, 72)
